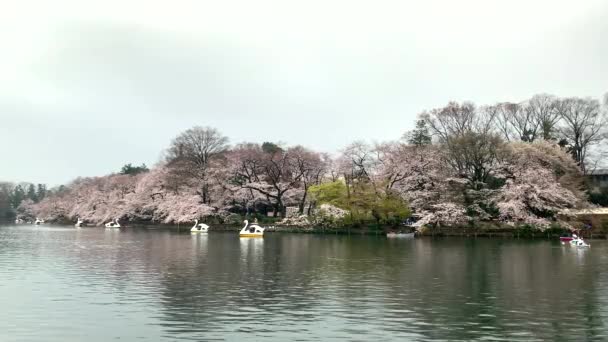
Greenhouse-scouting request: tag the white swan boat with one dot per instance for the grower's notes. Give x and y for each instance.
(199, 227)
(113, 224)
(79, 223)
(251, 230)
(39, 221)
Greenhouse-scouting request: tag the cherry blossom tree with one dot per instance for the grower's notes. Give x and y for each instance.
(444, 213)
(540, 180)
(150, 191)
(270, 172)
(484, 163)
(413, 172)
(356, 162)
(181, 209)
(27, 210)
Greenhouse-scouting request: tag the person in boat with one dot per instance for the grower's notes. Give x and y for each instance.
(252, 229)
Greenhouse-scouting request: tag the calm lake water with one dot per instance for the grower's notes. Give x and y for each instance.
(66, 284)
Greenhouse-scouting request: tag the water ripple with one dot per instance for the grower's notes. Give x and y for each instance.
(66, 284)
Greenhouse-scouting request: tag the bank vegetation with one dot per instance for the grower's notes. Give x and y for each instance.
(510, 163)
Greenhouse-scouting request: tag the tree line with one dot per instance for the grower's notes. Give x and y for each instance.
(577, 124)
(12, 195)
(510, 162)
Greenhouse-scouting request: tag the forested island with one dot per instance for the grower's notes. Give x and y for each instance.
(508, 163)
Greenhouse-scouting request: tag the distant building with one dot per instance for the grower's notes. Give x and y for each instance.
(590, 221)
(597, 180)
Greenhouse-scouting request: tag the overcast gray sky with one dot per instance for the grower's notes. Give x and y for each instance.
(87, 86)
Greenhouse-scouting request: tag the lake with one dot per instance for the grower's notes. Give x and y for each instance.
(65, 284)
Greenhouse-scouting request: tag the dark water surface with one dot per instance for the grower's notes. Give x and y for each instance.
(66, 284)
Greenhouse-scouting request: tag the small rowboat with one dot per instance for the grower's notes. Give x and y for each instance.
(573, 240)
(568, 238)
(400, 235)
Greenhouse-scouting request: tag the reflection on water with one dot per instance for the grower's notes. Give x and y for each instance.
(66, 284)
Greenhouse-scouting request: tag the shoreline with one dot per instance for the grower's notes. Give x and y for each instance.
(472, 231)
(466, 231)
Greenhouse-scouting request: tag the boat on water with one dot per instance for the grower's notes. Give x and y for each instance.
(575, 234)
(39, 221)
(113, 224)
(579, 242)
(199, 227)
(400, 235)
(408, 232)
(252, 230)
(574, 240)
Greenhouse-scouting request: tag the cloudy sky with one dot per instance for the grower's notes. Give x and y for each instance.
(87, 86)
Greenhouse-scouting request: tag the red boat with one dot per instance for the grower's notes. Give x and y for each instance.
(569, 238)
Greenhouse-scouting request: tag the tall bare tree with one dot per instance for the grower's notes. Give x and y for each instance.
(515, 121)
(468, 138)
(311, 165)
(473, 156)
(542, 108)
(584, 125)
(193, 152)
(452, 120)
(355, 164)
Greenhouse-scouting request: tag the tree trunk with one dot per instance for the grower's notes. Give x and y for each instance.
(279, 209)
(275, 210)
(309, 208)
(204, 193)
(303, 202)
